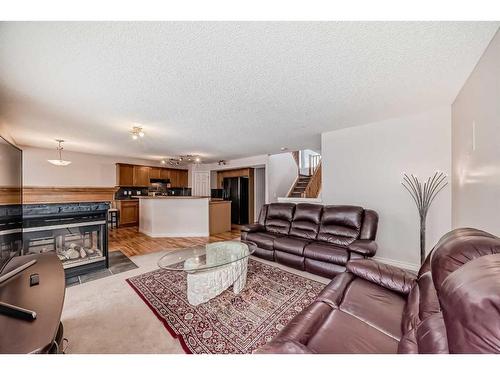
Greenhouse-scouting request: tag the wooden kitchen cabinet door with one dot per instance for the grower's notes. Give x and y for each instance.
(165, 173)
(183, 179)
(154, 172)
(141, 175)
(129, 213)
(124, 175)
(174, 178)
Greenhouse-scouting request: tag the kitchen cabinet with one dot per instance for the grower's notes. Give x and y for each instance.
(129, 212)
(141, 175)
(183, 179)
(178, 178)
(165, 173)
(154, 172)
(174, 178)
(124, 175)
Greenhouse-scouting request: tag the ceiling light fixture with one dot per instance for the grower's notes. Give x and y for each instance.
(163, 161)
(185, 159)
(59, 162)
(137, 132)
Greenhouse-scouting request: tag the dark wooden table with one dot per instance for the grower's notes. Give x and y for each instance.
(47, 298)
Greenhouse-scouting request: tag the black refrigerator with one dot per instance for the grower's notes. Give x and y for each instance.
(236, 191)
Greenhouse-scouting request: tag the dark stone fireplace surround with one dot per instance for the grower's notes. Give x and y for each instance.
(50, 226)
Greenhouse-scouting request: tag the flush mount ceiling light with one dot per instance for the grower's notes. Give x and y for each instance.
(137, 132)
(59, 162)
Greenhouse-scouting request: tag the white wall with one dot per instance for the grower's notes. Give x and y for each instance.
(281, 174)
(476, 158)
(259, 190)
(10, 174)
(85, 170)
(362, 166)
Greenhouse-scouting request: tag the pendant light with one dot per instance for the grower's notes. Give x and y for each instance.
(59, 162)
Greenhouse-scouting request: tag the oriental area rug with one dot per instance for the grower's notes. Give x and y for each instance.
(229, 323)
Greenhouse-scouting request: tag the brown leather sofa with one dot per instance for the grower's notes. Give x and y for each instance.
(451, 306)
(311, 237)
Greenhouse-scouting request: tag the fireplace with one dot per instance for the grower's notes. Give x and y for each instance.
(76, 232)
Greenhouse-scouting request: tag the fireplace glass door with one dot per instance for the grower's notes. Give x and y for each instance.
(75, 244)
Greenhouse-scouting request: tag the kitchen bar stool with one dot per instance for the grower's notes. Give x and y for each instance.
(114, 217)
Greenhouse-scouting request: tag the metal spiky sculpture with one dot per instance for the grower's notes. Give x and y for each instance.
(423, 195)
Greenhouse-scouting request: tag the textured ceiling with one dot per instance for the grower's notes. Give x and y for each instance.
(223, 89)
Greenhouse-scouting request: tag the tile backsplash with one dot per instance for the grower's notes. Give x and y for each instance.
(127, 191)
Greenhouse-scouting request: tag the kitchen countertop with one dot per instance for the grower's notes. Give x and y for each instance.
(167, 197)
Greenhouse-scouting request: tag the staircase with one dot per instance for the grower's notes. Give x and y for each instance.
(308, 181)
(299, 189)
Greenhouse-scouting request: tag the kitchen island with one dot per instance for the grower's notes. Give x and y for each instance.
(168, 216)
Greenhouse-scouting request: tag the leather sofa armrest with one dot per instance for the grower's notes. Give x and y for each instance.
(255, 227)
(367, 248)
(390, 277)
(283, 347)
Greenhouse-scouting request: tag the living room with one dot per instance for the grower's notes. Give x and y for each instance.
(243, 187)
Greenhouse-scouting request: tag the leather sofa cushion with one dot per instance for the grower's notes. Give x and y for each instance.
(343, 333)
(431, 336)
(340, 225)
(290, 260)
(292, 245)
(458, 252)
(470, 300)
(324, 269)
(326, 253)
(379, 307)
(279, 217)
(263, 240)
(306, 220)
(263, 214)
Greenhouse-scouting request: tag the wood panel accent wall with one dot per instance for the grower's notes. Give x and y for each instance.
(37, 194)
(9, 195)
(241, 172)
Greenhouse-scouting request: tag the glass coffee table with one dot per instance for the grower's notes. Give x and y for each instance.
(210, 269)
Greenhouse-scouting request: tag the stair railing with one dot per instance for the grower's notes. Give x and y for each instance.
(314, 186)
(313, 163)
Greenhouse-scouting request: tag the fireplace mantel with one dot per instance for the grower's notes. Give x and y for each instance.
(53, 194)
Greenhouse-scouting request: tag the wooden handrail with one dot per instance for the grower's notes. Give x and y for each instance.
(314, 161)
(314, 186)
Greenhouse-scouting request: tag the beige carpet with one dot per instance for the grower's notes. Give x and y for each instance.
(107, 316)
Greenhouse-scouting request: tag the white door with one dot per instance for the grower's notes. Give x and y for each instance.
(201, 184)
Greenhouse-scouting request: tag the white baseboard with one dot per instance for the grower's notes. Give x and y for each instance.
(398, 263)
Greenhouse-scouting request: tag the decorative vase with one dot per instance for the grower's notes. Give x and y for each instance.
(423, 195)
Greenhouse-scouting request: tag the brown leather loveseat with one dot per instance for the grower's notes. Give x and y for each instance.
(312, 237)
(451, 306)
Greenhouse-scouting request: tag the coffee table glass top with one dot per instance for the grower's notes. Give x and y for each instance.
(213, 255)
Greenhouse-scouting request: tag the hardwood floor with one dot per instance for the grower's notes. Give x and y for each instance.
(131, 242)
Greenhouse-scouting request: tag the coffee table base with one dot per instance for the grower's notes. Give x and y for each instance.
(205, 285)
